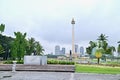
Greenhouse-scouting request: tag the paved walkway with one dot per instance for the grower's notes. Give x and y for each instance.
(8, 75)
(47, 68)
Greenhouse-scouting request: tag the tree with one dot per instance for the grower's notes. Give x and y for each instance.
(39, 48)
(90, 48)
(93, 44)
(1, 50)
(102, 43)
(30, 46)
(110, 50)
(98, 54)
(118, 48)
(2, 27)
(5, 43)
(34, 47)
(19, 46)
(102, 37)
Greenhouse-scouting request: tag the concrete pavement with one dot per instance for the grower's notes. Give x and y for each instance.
(8, 75)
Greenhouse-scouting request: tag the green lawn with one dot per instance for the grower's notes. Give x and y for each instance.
(97, 69)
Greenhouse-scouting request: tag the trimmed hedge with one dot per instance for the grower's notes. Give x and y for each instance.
(11, 62)
(62, 62)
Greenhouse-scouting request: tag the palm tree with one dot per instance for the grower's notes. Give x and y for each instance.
(102, 39)
(105, 45)
(34, 47)
(39, 48)
(102, 43)
(30, 46)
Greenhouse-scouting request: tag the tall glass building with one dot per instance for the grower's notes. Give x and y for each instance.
(63, 51)
(76, 48)
(82, 50)
(57, 50)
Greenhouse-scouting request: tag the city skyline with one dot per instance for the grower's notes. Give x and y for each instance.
(50, 21)
(58, 50)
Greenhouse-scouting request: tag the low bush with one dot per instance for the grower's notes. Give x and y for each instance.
(63, 62)
(11, 62)
(8, 62)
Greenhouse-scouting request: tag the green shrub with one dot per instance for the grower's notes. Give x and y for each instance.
(11, 62)
(63, 62)
(8, 62)
(20, 62)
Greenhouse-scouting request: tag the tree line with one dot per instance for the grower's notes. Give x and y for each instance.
(103, 46)
(16, 48)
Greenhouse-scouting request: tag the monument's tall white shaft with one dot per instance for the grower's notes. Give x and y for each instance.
(73, 48)
(73, 23)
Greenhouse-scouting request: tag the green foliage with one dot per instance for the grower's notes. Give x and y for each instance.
(5, 42)
(102, 37)
(39, 48)
(34, 47)
(8, 62)
(98, 53)
(11, 62)
(2, 27)
(30, 46)
(102, 43)
(1, 50)
(90, 48)
(18, 46)
(118, 48)
(63, 62)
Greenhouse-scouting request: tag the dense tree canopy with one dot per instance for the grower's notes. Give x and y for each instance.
(5, 42)
(18, 48)
(34, 47)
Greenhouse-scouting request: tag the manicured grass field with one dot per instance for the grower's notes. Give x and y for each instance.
(97, 69)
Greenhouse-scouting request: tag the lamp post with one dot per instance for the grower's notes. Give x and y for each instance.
(73, 49)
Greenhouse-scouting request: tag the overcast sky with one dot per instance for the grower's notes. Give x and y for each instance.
(49, 21)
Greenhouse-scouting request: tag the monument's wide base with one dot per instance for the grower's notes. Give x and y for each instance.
(35, 60)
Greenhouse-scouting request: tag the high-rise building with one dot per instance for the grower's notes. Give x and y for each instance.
(57, 50)
(63, 51)
(82, 50)
(76, 48)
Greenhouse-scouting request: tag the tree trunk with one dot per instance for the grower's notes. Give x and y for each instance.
(98, 60)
